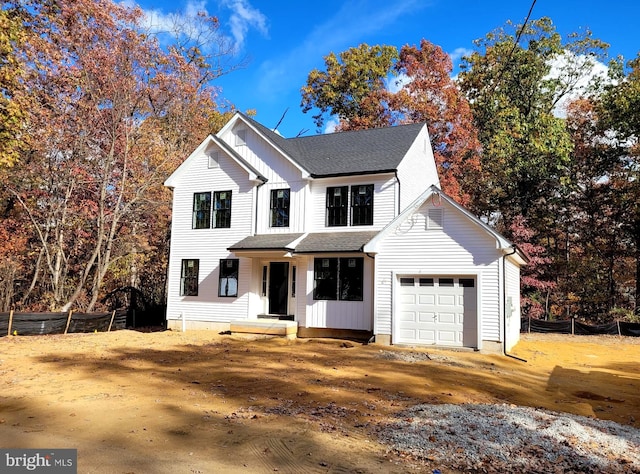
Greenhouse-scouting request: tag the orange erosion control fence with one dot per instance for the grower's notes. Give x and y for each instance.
(31, 324)
(571, 326)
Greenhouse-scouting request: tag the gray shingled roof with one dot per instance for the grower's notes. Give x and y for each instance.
(364, 151)
(335, 241)
(319, 242)
(266, 242)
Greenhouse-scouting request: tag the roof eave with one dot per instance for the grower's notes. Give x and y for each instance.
(353, 173)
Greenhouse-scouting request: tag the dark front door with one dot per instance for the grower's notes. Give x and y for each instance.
(278, 286)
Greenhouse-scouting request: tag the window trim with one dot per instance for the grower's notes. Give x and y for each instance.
(277, 219)
(193, 277)
(358, 209)
(337, 215)
(195, 219)
(216, 212)
(335, 272)
(224, 273)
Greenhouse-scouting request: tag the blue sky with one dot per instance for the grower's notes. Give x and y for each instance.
(285, 40)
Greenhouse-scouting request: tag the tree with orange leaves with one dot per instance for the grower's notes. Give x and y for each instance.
(111, 114)
(358, 87)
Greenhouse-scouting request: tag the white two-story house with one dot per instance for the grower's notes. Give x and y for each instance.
(344, 233)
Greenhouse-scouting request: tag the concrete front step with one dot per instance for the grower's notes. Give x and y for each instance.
(274, 327)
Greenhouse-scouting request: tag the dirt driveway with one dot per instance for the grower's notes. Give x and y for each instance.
(200, 402)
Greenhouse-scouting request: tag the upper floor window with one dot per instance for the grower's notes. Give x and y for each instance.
(362, 204)
(228, 280)
(280, 207)
(189, 277)
(337, 206)
(222, 209)
(201, 211)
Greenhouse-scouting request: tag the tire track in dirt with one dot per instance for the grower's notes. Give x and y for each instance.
(275, 454)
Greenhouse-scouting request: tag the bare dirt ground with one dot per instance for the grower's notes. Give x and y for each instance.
(201, 402)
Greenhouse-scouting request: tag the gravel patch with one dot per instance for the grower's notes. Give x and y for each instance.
(509, 438)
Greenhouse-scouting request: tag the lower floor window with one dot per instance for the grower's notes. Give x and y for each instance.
(189, 277)
(228, 282)
(338, 279)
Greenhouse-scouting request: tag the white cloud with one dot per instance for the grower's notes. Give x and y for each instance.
(243, 18)
(458, 53)
(347, 27)
(395, 83)
(174, 23)
(579, 72)
(331, 125)
(187, 23)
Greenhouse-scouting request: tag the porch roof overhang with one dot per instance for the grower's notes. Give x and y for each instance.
(335, 242)
(274, 245)
(285, 245)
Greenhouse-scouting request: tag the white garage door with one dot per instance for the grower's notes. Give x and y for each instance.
(437, 310)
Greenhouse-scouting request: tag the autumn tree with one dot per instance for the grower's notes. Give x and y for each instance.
(12, 116)
(620, 115)
(513, 96)
(352, 88)
(429, 95)
(360, 89)
(516, 81)
(114, 113)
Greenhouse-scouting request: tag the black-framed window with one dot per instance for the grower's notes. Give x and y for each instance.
(189, 277)
(293, 281)
(228, 280)
(201, 210)
(338, 278)
(222, 209)
(280, 207)
(264, 280)
(337, 201)
(362, 204)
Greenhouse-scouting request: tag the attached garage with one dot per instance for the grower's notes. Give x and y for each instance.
(437, 310)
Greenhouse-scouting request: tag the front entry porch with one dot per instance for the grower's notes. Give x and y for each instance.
(270, 326)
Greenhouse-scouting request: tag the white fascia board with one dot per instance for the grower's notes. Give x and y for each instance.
(501, 242)
(172, 180)
(216, 142)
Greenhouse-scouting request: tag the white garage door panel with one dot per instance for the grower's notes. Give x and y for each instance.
(426, 299)
(447, 318)
(447, 300)
(408, 316)
(426, 317)
(408, 299)
(442, 312)
(427, 335)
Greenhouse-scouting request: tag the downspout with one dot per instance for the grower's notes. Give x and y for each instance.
(504, 306)
(398, 181)
(255, 223)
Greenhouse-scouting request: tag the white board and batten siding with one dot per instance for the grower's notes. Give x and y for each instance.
(460, 248)
(209, 245)
(280, 173)
(340, 314)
